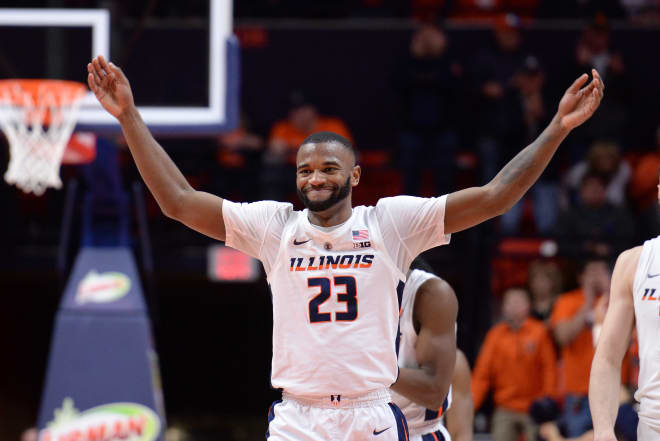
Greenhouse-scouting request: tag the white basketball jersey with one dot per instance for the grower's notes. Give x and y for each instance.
(646, 296)
(420, 419)
(336, 292)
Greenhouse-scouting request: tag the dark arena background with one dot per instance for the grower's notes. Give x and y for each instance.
(436, 95)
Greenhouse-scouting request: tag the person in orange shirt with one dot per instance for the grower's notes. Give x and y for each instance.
(286, 136)
(571, 321)
(517, 361)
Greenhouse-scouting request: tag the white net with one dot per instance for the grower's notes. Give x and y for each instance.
(37, 117)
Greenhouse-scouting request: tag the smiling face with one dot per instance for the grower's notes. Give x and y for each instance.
(326, 173)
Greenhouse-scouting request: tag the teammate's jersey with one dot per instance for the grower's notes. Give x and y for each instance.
(646, 296)
(335, 292)
(420, 419)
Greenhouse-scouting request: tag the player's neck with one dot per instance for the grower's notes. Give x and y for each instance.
(335, 215)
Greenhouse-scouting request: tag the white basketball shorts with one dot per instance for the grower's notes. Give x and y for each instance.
(646, 432)
(370, 417)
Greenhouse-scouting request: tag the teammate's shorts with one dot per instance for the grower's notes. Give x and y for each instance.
(439, 435)
(369, 417)
(646, 432)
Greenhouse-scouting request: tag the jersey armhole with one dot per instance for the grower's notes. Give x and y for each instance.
(389, 258)
(645, 260)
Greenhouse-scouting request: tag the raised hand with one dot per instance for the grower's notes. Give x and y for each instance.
(110, 86)
(579, 103)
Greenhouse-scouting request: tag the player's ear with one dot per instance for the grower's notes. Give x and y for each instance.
(355, 175)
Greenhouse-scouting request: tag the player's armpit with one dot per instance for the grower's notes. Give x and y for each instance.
(202, 212)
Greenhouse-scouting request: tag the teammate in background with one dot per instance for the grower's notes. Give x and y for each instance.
(633, 298)
(334, 269)
(427, 342)
(427, 352)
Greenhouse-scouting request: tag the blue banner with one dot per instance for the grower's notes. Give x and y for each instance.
(103, 381)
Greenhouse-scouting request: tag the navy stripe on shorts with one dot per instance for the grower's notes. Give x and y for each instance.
(401, 424)
(271, 415)
(435, 436)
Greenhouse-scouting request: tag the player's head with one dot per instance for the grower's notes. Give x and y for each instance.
(326, 171)
(421, 264)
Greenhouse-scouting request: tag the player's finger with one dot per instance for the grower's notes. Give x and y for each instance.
(595, 74)
(115, 70)
(100, 74)
(91, 83)
(104, 64)
(577, 84)
(94, 71)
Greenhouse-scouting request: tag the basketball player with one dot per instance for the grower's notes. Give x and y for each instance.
(334, 269)
(427, 353)
(632, 298)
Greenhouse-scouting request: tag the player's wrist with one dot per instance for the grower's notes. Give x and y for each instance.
(559, 124)
(130, 113)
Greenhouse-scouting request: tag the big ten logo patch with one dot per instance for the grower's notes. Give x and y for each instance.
(358, 245)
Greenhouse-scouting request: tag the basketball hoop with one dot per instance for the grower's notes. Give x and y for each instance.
(37, 117)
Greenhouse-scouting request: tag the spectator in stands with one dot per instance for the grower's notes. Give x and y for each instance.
(571, 321)
(239, 156)
(428, 85)
(594, 50)
(497, 111)
(286, 136)
(604, 159)
(580, 9)
(544, 282)
(518, 347)
(594, 226)
(644, 182)
(479, 9)
(642, 11)
(528, 86)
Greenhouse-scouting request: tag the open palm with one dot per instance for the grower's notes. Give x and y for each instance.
(579, 103)
(110, 86)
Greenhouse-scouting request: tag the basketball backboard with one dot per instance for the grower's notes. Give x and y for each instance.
(183, 62)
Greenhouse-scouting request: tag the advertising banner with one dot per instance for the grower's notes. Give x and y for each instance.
(103, 382)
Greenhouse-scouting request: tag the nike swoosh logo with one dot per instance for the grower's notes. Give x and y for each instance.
(378, 432)
(650, 276)
(295, 242)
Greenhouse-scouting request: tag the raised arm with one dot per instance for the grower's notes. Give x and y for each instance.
(176, 198)
(604, 383)
(471, 206)
(435, 309)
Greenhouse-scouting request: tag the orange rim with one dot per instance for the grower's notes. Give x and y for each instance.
(65, 92)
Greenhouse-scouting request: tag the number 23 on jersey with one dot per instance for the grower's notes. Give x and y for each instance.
(345, 289)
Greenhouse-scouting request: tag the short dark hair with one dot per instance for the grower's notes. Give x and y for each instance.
(421, 264)
(319, 137)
